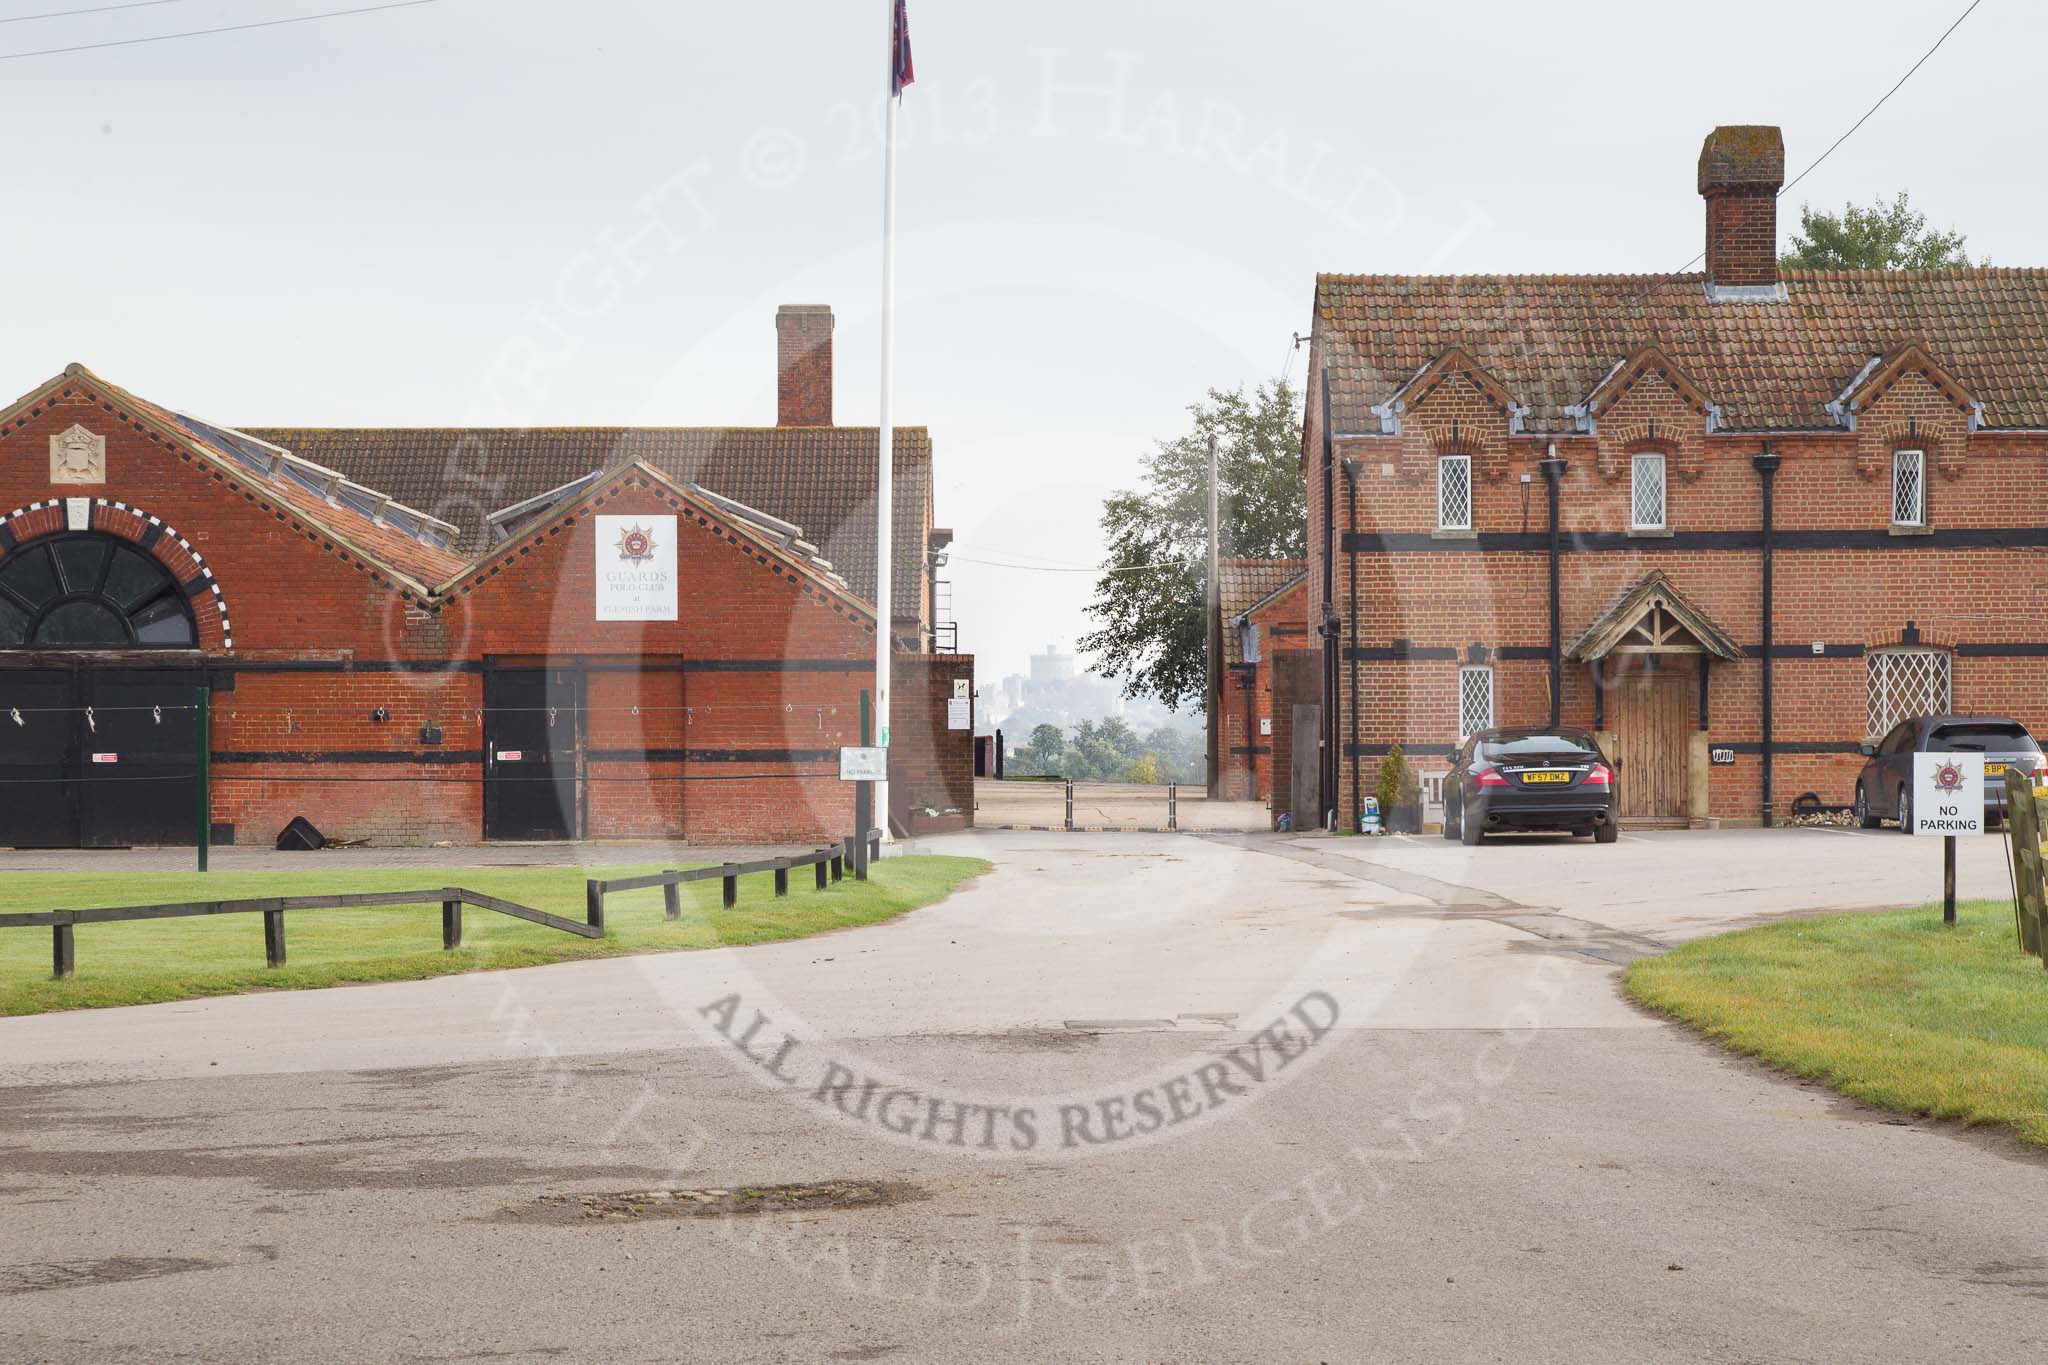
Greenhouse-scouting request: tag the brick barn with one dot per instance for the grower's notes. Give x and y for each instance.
(635, 650)
(1737, 522)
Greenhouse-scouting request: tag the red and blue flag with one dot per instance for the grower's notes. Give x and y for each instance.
(900, 72)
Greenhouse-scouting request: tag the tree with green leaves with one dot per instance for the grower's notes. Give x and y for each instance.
(1150, 598)
(1892, 236)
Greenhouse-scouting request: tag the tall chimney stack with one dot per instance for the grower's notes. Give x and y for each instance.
(803, 365)
(1742, 169)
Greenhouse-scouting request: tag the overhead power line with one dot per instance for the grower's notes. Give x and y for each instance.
(207, 32)
(1811, 166)
(95, 9)
(1066, 568)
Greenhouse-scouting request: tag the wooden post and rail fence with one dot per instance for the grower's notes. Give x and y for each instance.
(2025, 806)
(828, 864)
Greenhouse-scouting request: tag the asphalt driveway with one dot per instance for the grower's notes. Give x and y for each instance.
(1128, 1098)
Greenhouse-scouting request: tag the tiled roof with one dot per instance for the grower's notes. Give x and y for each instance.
(1245, 583)
(414, 547)
(820, 478)
(1550, 339)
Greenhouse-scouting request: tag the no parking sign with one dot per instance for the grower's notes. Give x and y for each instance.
(1948, 794)
(1948, 799)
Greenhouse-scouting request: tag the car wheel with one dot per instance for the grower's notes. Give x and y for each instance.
(1863, 816)
(1606, 833)
(1905, 812)
(1469, 834)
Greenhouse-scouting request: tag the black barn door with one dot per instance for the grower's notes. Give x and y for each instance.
(138, 765)
(38, 762)
(532, 723)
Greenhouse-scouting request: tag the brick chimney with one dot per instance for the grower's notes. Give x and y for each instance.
(1741, 171)
(803, 365)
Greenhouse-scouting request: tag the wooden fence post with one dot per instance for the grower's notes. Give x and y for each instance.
(2023, 834)
(819, 868)
(671, 901)
(451, 924)
(273, 937)
(782, 881)
(63, 951)
(838, 866)
(593, 904)
(731, 889)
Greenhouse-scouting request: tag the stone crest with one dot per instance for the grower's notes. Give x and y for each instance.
(78, 456)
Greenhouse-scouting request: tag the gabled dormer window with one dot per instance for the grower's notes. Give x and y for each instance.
(1646, 500)
(1454, 493)
(1909, 488)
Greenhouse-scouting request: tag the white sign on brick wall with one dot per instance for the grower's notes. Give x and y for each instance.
(636, 568)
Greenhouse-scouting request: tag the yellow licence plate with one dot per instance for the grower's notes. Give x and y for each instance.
(1547, 777)
(1994, 770)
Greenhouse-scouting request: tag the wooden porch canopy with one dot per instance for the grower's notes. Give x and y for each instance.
(1652, 617)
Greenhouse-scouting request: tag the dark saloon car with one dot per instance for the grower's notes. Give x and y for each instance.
(1884, 789)
(1529, 779)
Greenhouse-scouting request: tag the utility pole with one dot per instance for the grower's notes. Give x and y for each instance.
(1212, 632)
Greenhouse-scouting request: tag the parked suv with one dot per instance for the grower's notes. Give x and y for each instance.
(1885, 786)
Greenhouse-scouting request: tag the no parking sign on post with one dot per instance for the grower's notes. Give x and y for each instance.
(1948, 799)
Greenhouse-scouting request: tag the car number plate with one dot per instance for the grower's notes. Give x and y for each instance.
(1551, 775)
(1994, 770)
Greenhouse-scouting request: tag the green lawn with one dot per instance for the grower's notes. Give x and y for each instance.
(143, 961)
(1891, 1008)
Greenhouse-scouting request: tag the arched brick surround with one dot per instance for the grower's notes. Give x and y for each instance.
(149, 533)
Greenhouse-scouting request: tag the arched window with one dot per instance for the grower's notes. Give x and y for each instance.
(90, 591)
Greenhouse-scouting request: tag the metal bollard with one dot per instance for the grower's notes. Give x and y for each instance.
(1173, 805)
(1070, 803)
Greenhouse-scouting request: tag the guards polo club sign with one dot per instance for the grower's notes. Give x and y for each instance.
(636, 568)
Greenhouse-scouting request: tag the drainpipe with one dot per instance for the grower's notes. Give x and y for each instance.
(1553, 473)
(1766, 466)
(1351, 569)
(1332, 734)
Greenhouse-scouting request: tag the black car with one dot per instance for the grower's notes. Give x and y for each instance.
(1885, 786)
(1529, 779)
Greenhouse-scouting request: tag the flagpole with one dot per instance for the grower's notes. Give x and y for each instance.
(885, 469)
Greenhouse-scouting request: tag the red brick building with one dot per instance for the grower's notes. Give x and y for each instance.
(1261, 602)
(631, 654)
(1737, 522)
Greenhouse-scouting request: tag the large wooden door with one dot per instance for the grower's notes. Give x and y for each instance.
(1648, 706)
(1305, 760)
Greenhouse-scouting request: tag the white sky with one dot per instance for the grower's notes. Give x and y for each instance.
(517, 212)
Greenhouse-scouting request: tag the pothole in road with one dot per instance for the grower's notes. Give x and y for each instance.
(721, 1201)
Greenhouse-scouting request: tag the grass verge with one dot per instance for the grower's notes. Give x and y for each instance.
(145, 961)
(1891, 1008)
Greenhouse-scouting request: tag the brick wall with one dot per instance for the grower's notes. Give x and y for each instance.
(1430, 602)
(745, 698)
(936, 762)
